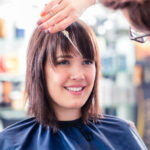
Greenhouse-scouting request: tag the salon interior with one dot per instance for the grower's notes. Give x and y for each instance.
(125, 65)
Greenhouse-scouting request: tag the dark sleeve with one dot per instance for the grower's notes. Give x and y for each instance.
(4, 143)
(136, 139)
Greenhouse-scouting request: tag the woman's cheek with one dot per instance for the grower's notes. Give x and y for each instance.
(92, 74)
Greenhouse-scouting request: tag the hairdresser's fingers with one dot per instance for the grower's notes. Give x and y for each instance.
(59, 17)
(55, 20)
(43, 19)
(62, 25)
(49, 6)
(54, 12)
(131, 124)
(76, 8)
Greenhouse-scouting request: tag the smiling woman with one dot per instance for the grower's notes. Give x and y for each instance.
(55, 67)
(61, 86)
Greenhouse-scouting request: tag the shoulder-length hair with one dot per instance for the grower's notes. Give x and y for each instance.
(43, 46)
(137, 10)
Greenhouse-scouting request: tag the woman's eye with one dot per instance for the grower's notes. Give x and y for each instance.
(64, 62)
(88, 62)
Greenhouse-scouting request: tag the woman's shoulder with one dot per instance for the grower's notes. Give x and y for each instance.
(17, 134)
(15, 129)
(112, 120)
(109, 120)
(19, 126)
(113, 123)
(117, 129)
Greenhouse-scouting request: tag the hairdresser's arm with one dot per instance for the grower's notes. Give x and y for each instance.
(59, 14)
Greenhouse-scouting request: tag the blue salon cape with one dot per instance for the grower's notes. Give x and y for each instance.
(108, 133)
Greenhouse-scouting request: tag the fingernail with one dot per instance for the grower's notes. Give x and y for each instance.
(39, 22)
(42, 14)
(46, 31)
(41, 28)
(50, 29)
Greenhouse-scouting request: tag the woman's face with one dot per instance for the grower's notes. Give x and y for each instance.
(70, 82)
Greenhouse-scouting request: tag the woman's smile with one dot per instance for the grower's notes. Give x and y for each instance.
(75, 89)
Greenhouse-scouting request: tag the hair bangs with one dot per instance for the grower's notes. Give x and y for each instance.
(84, 45)
(57, 41)
(76, 34)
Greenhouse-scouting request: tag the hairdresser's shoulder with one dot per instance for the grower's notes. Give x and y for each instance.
(15, 131)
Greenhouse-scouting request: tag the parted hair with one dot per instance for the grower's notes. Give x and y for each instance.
(42, 47)
(137, 10)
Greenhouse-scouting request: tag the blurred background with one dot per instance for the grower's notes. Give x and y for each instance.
(125, 84)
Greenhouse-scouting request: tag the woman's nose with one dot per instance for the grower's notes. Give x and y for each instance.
(77, 73)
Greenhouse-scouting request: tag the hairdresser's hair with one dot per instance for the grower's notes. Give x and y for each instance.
(42, 47)
(137, 10)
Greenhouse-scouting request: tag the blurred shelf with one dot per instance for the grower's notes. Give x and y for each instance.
(9, 113)
(12, 77)
(9, 116)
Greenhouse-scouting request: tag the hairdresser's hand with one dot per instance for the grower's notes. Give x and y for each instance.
(131, 123)
(59, 14)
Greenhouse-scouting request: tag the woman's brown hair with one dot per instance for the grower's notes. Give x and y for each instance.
(42, 47)
(138, 11)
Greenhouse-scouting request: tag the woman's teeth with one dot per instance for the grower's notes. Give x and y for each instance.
(74, 89)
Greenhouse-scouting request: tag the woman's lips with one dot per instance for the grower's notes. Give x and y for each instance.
(75, 90)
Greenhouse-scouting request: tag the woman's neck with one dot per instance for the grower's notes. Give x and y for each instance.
(68, 115)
